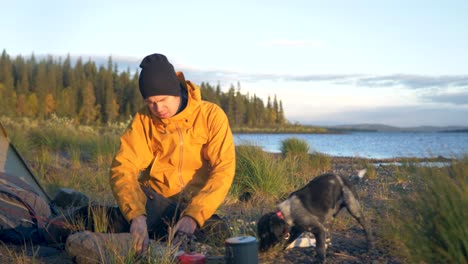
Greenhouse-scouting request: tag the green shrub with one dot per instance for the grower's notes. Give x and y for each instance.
(294, 146)
(272, 176)
(259, 173)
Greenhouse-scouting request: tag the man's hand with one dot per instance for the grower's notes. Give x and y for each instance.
(139, 231)
(186, 225)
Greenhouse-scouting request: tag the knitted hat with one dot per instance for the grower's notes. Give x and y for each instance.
(157, 77)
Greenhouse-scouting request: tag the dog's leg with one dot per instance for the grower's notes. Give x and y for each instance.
(295, 233)
(320, 234)
(354, 208)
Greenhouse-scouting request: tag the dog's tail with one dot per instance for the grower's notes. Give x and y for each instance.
(358, 176)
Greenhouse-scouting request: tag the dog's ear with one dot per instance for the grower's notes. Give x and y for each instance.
(278, 227)
(264, 231)
(263, 225)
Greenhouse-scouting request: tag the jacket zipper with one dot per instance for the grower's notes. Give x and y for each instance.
(181, 152)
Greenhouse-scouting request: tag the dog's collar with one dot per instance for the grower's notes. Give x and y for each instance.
(286, 234)
(280, 215)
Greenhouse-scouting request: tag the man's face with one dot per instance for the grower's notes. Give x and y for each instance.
(163, 106)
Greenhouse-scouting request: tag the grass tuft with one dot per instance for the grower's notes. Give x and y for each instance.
(294, 146)
(259, 173)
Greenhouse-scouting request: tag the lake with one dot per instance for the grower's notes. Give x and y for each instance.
(379, 145)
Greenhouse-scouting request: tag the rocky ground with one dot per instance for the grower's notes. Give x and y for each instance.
(348, 241)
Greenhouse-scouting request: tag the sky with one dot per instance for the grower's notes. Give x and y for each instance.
(395, 62)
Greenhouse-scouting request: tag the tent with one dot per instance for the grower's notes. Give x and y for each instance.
(12, 163)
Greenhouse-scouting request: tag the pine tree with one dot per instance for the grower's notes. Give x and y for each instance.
(270, 118)
(281, 117)
(79, 83)
(6, 71)
(111, 107)
(21, 105)
(275, 111)
(21, 75)
(40, 87)
(239, 107)
(51, 73)
(250, 114)
(7, 96)
(230, 102)
(89, 111)
(68, 78)
(134, 95)
(33, 105)
(7, 91)
(49, 105)
(23, 86)
(65, 107)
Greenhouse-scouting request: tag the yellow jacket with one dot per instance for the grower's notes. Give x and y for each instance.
(189, 155)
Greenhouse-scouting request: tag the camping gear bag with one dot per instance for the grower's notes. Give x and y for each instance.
(23, 213)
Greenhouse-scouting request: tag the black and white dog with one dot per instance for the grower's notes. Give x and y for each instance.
(309, 209)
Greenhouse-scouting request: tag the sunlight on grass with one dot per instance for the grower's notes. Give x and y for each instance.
(259, 173)
(416, 211)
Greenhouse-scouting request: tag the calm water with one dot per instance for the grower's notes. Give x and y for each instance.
(370, 145)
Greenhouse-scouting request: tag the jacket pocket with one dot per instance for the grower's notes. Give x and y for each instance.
(162, 174)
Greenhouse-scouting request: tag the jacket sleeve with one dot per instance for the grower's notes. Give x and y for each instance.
(220, 152)
(133, 155)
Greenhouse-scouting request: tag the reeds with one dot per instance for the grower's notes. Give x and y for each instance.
(431, 222)
(259, 173)
(272, 176)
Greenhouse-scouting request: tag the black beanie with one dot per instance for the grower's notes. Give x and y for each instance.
(157, 77)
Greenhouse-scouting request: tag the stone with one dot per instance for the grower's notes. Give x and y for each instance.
(90, 248)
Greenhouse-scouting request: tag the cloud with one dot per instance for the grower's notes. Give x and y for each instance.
(397, 116)
(414, 81)
(291, 43)
(229, 76)
(456, 98)
(360, 80)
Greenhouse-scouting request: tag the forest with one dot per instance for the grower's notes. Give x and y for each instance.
(95, 94)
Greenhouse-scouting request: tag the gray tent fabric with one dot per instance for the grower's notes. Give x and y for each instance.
(12, 163)
(23, 213)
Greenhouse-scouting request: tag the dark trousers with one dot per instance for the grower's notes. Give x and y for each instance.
(161, 213)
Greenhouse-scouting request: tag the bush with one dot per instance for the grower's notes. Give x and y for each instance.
(294, 146)
(259, 173)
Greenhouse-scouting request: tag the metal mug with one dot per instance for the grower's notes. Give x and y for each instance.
(241, 250)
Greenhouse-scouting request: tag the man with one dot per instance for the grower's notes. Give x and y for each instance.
(177, 153)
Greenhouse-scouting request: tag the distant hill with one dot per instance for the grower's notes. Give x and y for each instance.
(386, 128)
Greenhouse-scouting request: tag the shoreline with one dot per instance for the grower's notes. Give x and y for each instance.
(379, 160)
(395, 159)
